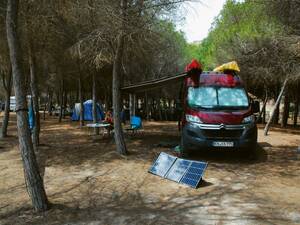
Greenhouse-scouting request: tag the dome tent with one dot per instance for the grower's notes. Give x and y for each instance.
(87, 111)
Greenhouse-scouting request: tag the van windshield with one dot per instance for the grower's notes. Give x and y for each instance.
(217, 98)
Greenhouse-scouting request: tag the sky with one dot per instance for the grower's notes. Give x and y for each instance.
(199, 17)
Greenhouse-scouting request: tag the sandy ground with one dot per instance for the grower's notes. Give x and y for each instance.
(88, 183)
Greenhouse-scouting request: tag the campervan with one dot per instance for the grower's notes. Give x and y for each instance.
(218, 113)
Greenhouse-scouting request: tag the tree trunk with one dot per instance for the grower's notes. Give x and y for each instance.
(286, 110)
(262, 113)
(275, 107)
(81, 116)
(45, 104)
(296, 112)
(77, 96)
(44, 111)
(263, 121)
(7, 87)
(132, 104)
(165, 109)
(152, 110)
(33, 180)
(65, 99)
(276, 114)
(106, 102)
(50, 96)
(147, 107)
(96, 130)
(159, 110)
(35, 98)
(118, 131)
(61, 100)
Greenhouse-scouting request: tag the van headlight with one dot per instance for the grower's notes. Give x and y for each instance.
(192, 119)
(249, 119)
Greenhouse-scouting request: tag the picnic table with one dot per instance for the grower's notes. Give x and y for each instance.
(104, 126)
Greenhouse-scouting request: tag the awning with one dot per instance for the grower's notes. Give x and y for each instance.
(153, 84)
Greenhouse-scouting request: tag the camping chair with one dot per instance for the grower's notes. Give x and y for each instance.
(135, 124)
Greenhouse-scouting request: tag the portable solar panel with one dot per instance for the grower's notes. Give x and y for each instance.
(162, 164)
(178, 169)
(183, 171)
(193, 174)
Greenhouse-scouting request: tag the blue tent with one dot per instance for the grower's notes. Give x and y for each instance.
(87, 111)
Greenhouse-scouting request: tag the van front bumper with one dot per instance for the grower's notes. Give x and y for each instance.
(196, 136)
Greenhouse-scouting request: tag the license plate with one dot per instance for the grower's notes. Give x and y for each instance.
(223, 144)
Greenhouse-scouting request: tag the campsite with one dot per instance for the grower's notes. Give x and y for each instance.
(149, 112)
(89, 183)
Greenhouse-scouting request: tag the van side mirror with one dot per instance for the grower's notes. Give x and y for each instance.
(255, 107)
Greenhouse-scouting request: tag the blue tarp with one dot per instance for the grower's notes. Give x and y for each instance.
(87, 111)
(31, 116)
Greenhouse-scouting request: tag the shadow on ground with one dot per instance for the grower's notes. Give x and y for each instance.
(89, 183)
(231, 155)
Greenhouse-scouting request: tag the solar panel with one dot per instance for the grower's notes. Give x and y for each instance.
(162, 164)
(178, 169)
(183, 171)
(194, 174)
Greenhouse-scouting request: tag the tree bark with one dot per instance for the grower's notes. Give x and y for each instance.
(147, 107)
(286, 110)
(159, 110)
(96, 130)
(35, 97)
(81, 116)
(296, 112)
(152, 110)
(275, 107)
(276, 115)
(7, 86)
(46, 103)
(107, 101)
(263, 109)
(132, 105)
(44, 111)
(65, 101)
(50, 96)
(61, 100)
(263, 121)
(77, 96)
(165, 109)
(33, 180)
(118, 131)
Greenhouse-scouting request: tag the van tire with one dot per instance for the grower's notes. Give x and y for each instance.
(184, 152)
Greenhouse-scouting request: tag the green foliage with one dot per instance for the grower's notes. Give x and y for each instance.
(159, 52)
(262, 37)
(174, 44)
(237, 24)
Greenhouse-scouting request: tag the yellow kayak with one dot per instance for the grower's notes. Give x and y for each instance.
(228, 66)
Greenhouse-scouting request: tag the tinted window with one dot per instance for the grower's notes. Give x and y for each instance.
(213, 97)
(202, 96)
(232, 97)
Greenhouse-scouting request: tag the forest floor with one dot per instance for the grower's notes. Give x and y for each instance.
(87, 183)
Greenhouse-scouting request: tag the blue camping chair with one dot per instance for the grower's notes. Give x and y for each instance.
(135, 124)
